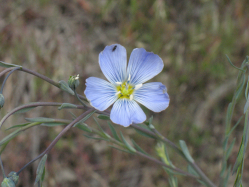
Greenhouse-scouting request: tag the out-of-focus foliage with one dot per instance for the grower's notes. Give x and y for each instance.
(62, 38)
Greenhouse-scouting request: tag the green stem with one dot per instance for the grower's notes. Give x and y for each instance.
(77, 96)
(1, 91)
(1, 163)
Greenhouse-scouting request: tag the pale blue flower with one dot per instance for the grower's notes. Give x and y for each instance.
(126, 87)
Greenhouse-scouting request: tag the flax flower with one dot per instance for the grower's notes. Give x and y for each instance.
(126, 87)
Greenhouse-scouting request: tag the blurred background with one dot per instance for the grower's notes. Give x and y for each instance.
(59, 38)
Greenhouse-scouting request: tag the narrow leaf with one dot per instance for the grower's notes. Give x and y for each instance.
(104, 134)
(114, 132)
(40, 168)
(40, 119)
(64, 86)
(84, 127)
(126, 151)
(17, 126)
(104, 117)
(230, 148)
(185, 151)
(138, 147)
(53, 124)
(67, 105)
(10, 137)
(85, 118)
(239, 158)
(192, 171)
(3, 146)
(24, 110)
(230, 62)
(8, 65)
(16, 132)
(127, 144)
(246, 106)
(95, 138)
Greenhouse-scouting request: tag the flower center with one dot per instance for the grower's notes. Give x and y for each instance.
(125, 90)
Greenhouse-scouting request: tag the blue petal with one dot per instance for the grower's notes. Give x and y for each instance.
(100, 93)
(113, 63)
(125, 112)
(143, 66)
(153, 95)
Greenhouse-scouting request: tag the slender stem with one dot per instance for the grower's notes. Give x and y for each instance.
(5, 71)
(1, 91)
(57, 138)
(75, 93)
(1, 163)
(38, 75)
(41, 76)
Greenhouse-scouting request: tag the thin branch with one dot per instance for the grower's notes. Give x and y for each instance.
(77, 96)
(1, 91)
(2, 168)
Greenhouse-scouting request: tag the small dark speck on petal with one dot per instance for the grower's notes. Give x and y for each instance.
(114, 48)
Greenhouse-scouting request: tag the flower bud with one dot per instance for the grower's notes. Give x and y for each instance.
(7, 183)
(13, 176)
(1, 101)
(73, 81)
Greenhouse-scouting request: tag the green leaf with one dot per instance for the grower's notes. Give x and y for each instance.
(24, 110)
(246, 106)
(225, 182)
(85, 118)
(138, 147)
(67, 105)
(143, 133)
(103, 133)
(230, 148)
(127, 144)
(104, 117)
(84, 127)
(233, 65)
(53, 124)
(238, 180)
(17, 126)
(40, 119)
(173, 181)
(40, 168)
(8, 65)
(150, 120)
(95, 138)
(185, 151)
(240, 87)
(10, 137)
(114, 132)
(239, 158)
(3, 146)
(16, 132)
(64, 86)
(203, 183)
(192, 171)
(123, 150)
